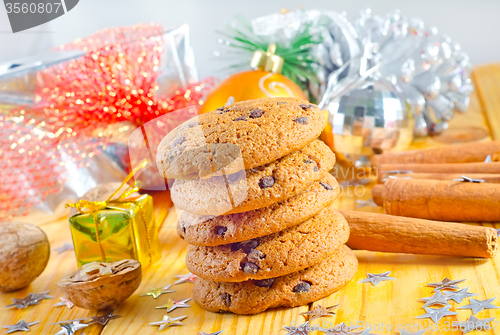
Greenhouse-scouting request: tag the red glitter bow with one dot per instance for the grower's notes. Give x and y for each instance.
(115, 81)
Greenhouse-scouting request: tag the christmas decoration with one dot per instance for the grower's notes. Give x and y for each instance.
(340, 329)
(474, 323)
(303, 329)
(156, 292)
(436, 314)
(24, 254)
(103, 319)
(30, 299)
(459, 296)
(120, 227)
(375, 279)
(20, 326)
(168, 322)
(446, 284)
(102, 286)
(478, 305)
(70, 328)
(189, 278)
(64, 302)
(174, 304)
(216, 333)
(469, 180)
(123, 79)
(418, 332)
(437, 299)
(318, 311)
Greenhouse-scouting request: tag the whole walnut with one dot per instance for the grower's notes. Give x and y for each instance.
(24, 254)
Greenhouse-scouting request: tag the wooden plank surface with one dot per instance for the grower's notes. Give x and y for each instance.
(389, 303)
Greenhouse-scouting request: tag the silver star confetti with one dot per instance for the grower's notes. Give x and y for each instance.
(70, 328)
(469, 180)
(65, 247)
(340, 329)
(406, 332)
(24, 302)
(64, 302)
(303, 329)
(216, 333)
(103, 319)
(377, 278)
(169, 322)
(173, 304)
(474, 323)
(460, 295)
(488, 159)
(42, 296)
(364, 332)
(20, 326)
(436, 314)
(437, 299)
(479, 305)
(446, 284)
(189, 278)
(364, 203)
(156, 292)
(318, 311)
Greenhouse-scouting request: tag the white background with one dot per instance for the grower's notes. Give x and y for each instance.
(475, 24)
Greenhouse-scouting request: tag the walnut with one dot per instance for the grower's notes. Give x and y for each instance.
(102, 286)
(24, 254)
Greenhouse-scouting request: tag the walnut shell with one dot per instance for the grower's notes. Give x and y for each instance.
(90, 287)
(24, 254)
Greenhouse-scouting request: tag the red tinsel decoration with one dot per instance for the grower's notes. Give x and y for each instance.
(114, 82)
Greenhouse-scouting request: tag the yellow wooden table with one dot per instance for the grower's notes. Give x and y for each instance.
(387, 305)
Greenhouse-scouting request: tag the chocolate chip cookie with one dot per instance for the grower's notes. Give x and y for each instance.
(273, 255)
(255, 188)
(296, 289)
(259, 131)
(224, 229)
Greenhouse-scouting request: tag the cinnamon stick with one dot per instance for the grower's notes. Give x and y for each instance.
(462, 168)
(442, 200)
(387, 233)
(463, 153)
(488, 178)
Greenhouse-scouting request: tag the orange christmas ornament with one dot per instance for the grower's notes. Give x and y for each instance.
(262, 82)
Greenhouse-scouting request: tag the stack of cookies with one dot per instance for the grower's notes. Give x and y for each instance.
(253, 185)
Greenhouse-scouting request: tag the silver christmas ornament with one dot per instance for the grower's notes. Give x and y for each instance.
(446, 284)
(30, 299)
(474, 323)
(189, 278)
(478, 305)
(436, 314)
(169, 322)
(458, 296)
(340, 329)
(20, 326)
(71, 328)
(156, 292)
(174, 304)
(437, 299)
(377, 278)
(303, 329)
(103, 319)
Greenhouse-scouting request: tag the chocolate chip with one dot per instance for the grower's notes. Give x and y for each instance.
(264, 282)
(226, 297)
(221, 231)
(326, 186)
(302, 120)
(183, 226)
(266, 182)
(248, 246)
(316, 168)
(308, 161)
(304, 107)
(302, 287)
(256, 255)
(220, 108)
(256, 113)
(241, 118)
(250, 267)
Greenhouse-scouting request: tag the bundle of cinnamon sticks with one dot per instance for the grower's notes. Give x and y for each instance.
(447, 185)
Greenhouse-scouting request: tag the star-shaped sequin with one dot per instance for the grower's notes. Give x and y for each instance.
(64, 302)
(479, 305)
(156, 292)
(365, 203)
(216, 333)
(42, 296)
(303, 329)
(173, 304)
(24, 302)
(20, 326)
(458, 296)
(340, 329)
(436, 314)
(437, 299)
(103, 319)
(469, 180)
(65, 247)
(189, 278)
(377, 278)
(474, 323)
(446, 284)
(363, 332)
(406, 332)
(70, 328)
(318, 311)
(169, 322)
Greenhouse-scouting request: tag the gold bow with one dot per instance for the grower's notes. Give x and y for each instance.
(93, 207)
